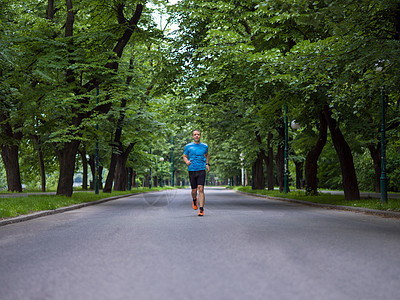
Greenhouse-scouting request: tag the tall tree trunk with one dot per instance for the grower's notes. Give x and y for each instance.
(350, 184)
(177, 178)
(280, 157)
(66, 158)
(311, 166)
(9, 154)
(259, 183)
(69, 24)
(111, 173)
(38, 147)
(397, 24)
(270, 164)
(267, 159)
(147, 179)
(299, 174)
(117, 147)
(155, 181)
(279, 161)
(66, 153)
(92, 166)
(91, 163)
(50, 10)
(121, 177)
(376, 158)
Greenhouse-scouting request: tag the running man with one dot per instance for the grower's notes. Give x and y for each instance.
(195, 155)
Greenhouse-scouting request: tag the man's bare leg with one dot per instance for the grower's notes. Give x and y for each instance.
(194, 194)
(202, 196)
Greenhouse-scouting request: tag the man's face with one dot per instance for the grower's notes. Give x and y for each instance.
(196, 136)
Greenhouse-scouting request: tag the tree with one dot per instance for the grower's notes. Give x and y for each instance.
(230, 69)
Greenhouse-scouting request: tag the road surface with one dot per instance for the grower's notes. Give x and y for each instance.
(154, 246)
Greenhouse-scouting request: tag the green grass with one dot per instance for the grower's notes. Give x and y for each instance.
(15, 206)
(322, 198)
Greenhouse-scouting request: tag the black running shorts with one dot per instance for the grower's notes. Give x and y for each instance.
(197, 178)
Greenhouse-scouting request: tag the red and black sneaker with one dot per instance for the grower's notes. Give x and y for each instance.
(194, 204)
(201, 212)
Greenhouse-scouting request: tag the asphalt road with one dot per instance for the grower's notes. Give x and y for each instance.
(154, 246)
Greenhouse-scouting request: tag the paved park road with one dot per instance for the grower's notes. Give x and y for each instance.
(154, 246)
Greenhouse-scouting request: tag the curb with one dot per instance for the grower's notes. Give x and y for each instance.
(43, 213)
(367, 211)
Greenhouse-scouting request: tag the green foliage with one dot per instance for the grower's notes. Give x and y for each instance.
(393, 169)
(329, 169)
(228, 70)
(365, 171)
(244, 61)
(3, 181)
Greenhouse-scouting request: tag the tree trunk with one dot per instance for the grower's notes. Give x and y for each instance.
(258, 179)
(147, 180)
(38, 147)
(111, 173)
(311, 166)
(50, 10)
(91, 163)
(65, 184)
(177, 178)
(376, 158)
(397, 24)
(9, 154)
(69, 24)
(66, 158)
(119, 47)
(350, 185)
(270, 164)
(121, 175)
(280, 176)
(267, 159)
(299, 174)
(280, 158)
(121, 178)
(117, 147)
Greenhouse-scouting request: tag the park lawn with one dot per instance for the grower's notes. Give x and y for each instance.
(323, 198)
(16, 206)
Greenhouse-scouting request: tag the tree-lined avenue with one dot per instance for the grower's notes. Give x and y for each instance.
(154, 246)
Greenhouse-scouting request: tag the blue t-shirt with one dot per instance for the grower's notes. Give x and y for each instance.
(195, 153)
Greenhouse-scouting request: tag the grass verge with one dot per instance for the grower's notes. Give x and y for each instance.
(16, 206)
(323, 198)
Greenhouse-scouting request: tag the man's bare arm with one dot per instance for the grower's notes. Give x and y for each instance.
(186, 160)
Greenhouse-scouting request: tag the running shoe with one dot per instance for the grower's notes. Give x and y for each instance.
(201, 213)
(195, 204)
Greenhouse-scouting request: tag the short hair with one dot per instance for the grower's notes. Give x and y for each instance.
(196, 130)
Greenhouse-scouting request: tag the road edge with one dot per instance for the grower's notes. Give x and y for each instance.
(367, 211)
